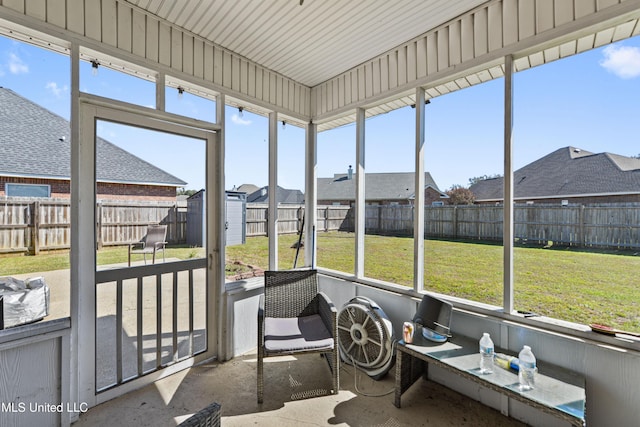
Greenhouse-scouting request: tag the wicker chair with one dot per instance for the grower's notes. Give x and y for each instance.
(294, 318)
(207, 417)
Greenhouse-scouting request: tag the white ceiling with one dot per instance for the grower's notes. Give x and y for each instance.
(312, 42)
(320, 39)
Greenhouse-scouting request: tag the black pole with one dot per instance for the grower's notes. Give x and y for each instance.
(295, 261)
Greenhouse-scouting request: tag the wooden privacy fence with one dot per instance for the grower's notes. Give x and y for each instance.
(27, 225)
(603, 225)
(615, 225)
(290, 217)
(31, 225)
(127, 221)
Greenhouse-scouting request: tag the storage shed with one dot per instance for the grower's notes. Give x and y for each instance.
(235, 220)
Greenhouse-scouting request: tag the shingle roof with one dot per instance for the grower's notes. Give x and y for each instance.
(284, 196)
(247, 188)
(36, 143)
(568, 171)
(378, 186)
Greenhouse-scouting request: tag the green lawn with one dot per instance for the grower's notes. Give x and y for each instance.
(580, 286)
(12, 265)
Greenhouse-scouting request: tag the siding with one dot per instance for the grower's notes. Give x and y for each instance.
(466, 51)
(469, 50)
(104, 190)
(133, 35)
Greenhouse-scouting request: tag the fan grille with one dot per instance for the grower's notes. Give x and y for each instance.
(361, 335)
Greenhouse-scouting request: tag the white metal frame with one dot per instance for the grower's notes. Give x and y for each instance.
(272, 221)
(311, 194)
(465, 51)
(83, 307)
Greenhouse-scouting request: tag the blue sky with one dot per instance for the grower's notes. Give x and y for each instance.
(589, 101)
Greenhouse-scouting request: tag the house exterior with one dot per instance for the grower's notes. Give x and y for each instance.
(246, 188)
(369, 58)
(261, 195)
(36, 150)
(380, 189)
(569, 175)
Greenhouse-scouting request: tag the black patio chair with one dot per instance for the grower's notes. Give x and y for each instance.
(295, 318)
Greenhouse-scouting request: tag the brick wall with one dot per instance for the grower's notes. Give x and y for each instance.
(135, 192)
(431, 195)
(60, 189)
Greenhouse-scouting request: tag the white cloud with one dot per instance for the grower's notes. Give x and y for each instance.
(240, 121)
(623, 61)
(55, 89)
(16, 65)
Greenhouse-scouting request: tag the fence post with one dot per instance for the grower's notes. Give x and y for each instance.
(99, 241)
(35, 218)
(582, 238)
(176, 238)
(326, 219)
(478, 225)
(455, 221)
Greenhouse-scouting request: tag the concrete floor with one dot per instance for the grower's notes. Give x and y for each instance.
(233, 385)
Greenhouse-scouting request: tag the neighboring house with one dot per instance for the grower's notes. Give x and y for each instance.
(569, 175)
(261, 195)
(246, 188)
(36, 149)
(380, 189)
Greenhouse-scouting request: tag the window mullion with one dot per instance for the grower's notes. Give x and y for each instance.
(508, 227)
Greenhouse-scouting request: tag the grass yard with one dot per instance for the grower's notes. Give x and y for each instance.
(579, 286)
(568, 284)
(11, 265)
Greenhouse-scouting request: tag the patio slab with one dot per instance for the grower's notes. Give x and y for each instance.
(173, 399)
(59, 289)
(288, 381)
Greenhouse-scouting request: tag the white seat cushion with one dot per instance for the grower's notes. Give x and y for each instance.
(296, 334)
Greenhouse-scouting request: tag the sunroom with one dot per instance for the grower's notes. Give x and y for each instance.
(325, 69)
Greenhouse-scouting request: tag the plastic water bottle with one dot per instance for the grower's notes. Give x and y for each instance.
(527, 372)
(486, 354)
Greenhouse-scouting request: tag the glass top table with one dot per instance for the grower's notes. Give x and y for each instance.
(557, 391)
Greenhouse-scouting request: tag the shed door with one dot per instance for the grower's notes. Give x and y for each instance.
(235, 234)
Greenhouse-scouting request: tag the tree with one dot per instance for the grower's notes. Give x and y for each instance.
(182, 191)
(459, 195)
(475, 179)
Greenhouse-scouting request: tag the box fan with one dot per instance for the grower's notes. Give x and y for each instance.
(366, 337)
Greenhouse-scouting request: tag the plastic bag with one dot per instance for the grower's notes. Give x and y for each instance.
(23, 301)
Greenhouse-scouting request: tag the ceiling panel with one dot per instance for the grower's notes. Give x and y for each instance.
(312, 42)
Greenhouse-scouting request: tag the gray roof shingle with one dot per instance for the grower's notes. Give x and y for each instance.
(378, 186)
(284, 195)
(36, 143)
(568, 171)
